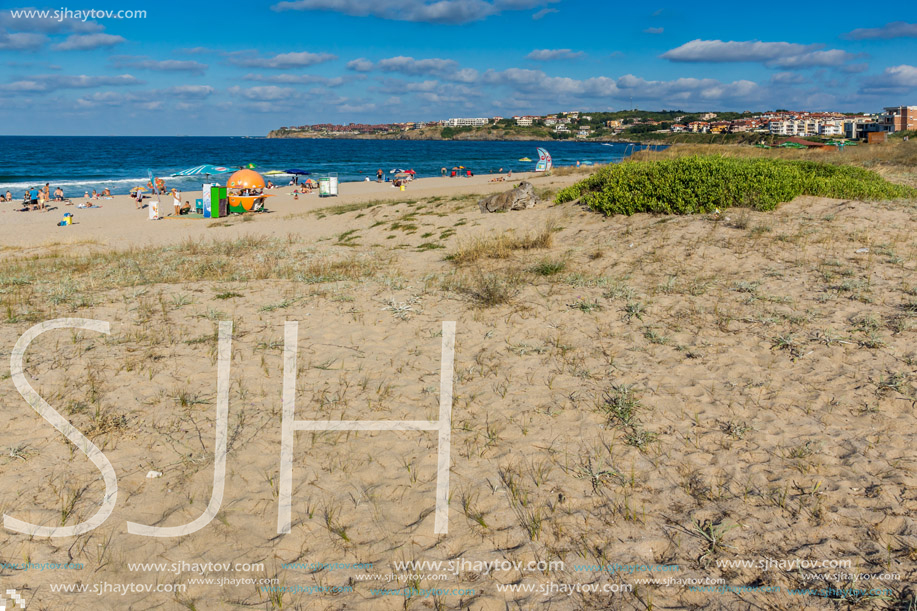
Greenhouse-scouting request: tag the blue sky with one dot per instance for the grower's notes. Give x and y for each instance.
(222, 68)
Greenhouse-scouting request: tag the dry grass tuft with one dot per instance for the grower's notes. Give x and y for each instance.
(501, 246)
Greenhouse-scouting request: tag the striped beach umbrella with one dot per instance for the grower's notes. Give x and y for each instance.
(200, 170)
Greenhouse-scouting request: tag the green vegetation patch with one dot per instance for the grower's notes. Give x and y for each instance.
(696, 184)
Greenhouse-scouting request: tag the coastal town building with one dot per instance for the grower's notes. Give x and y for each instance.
(466, 122)
(898, 118)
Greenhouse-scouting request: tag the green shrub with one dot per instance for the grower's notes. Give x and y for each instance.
(690, 185)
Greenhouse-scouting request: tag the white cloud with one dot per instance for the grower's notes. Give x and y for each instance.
(833, 57)
(168, 65)
(300, 79)
(21, 41)
(86, 42)
(776, 54)
(451, 12)
(788, 78)
(895, 29)
(283, 60)
(540, 87)
(409, 65)
(360, 65)
(447, 69)
(894, 78)
(190, 91)
(544, 13)
(196, 50)
(544, 55)
(52, 82)
(136, 101)
(266, 93)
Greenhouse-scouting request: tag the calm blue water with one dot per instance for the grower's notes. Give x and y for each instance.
(78, 164)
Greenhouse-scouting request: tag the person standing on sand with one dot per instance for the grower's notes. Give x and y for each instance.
(176, 201)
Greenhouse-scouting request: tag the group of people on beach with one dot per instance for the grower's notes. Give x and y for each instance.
(37, 198)
(96, 195)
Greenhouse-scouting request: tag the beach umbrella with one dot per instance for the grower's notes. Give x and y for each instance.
(525, 159)
(251, 166)
(200, 170)
(135, 189)
(297, 172)
(273, 173)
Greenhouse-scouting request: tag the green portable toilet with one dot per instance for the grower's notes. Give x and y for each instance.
(219, 203)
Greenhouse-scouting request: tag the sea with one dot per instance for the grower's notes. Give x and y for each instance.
(83, 163)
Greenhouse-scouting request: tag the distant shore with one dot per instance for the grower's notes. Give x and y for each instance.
(496, 135)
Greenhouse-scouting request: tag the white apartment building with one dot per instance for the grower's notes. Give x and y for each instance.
(795, 127)
(463, 122)
(525, 121)
(831, 128)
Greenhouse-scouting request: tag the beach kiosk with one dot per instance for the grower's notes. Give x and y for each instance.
(246, 192)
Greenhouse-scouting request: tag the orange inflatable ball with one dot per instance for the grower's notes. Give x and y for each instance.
(246, 179)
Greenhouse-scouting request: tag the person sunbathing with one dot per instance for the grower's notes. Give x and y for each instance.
(185, 209)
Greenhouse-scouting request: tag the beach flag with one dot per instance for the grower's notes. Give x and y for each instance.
(544, 161)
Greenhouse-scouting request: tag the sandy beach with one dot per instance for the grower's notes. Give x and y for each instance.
(648, 391)
(118, 224)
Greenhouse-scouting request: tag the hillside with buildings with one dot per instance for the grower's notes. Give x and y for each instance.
(631, 125)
